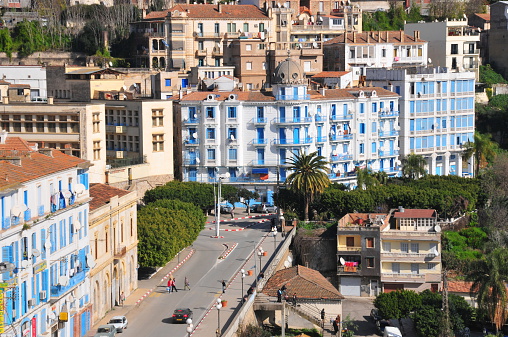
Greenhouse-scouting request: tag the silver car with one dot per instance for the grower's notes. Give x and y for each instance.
(107, 330)
(120, 323)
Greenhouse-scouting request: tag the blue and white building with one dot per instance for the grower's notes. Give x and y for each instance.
(44, 238)
(436, 114)
(246, 138)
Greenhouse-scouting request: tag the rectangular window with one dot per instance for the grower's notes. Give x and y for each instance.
(210, 154)
(395, 268)
(232, 112)
(415, 268)
(167, 82)
(404, 247)
(415, 248)
(369, 242)
(387, 247)
(157, 118)
(210, 133)
(362, 128)
(248, 66)
(370, 262)
(158, 143)
(210, 112)
(431, 266)
(373, 147)
(362, 148)
(233, 154)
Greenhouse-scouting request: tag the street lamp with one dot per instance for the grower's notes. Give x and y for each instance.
(218, 306)
(260, 254)
(190, 326)
(217, 211)
(274, 231)
(243, 276)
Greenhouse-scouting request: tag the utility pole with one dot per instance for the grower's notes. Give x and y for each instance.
(447, 331)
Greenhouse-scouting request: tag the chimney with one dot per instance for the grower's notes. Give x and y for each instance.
(3, 136)
(46, 152)
(368, 37)
(143, 13)
(5, 100)
(416, 35)
(50, 100)
(401, 36)
(401, 209)
(323, 91)
(354, 37)
(219, 7)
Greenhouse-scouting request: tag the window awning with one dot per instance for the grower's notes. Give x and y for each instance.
(260, 171)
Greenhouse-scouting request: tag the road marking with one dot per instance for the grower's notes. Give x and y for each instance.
(156, 294)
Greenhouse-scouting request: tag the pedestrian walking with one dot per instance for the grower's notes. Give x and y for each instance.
(323, 314)
(232, 213)
(186, 284)
(169, 286)
(294, 299)
(279, 295)
(223, 286)
(173, 285)
(335, 327)
(122, 298)
(264, 208)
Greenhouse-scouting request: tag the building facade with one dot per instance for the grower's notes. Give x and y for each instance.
(452, 44)
(498, 37)
(113, 244)
(45, 247)
(436, 115)
(248, 136)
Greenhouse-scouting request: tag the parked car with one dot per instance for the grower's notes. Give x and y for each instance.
(391, 331)
(107, 330)
(120, 323)
(381, 325)
(182, 315)
(225, 209)
(269, 208)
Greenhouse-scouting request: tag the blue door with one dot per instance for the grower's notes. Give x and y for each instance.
(261, 156)
(391, 147)
(260, 135)
(282, 135)
(192, 158)
(296, 136)
(185, 82)
(193, 174)
(296, 114)
(320, 133)
(282, 114)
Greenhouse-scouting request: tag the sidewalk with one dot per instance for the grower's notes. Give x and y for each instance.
(145, 288)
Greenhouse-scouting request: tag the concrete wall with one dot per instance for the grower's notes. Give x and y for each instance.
(46, 58)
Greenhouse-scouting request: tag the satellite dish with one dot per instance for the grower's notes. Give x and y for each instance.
(287, 264)
(89, 261)
(24, 263)
(79, 189)
(429, 60)
(198, 160)
(437, 228)
(195, 115)
(47, 244)
(110, 63)
(342, 261)
(290, 259)
(195, 135)
(63, 280)
(36, 252)
(67, 194)
(77, 226)
(232, 137)
(17, 210)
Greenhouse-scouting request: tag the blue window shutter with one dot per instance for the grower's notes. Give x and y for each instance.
(6, 256)
(24, 300)
(37, 287)
(8, 298)
(43, 320)
(71, 229)
(16, 254)
(45, 282)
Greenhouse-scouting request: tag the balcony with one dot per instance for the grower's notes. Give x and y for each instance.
(217, 52)
(191, 162)
(40, 210)
(293, 120)
(408, 257)
(403, 277)
(341, 248)
(208, 35)
(116, 129)
(27, 215)
(419, 235)
(201, 53)
(76, 279)
(341, 157)
(348, 269)
(335, 118)
(120, 251)
(339, 138)
(191, 121)
(292, 97)
(259, 120)
(469, 51)
(391, 133)
(388, 153)
(320, 118)
(321, 139)
(191, 142)
(388, 114)
(290, 142)
(116, 163)
(259, 141)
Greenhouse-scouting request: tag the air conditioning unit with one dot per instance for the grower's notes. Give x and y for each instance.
(42, 295)
(32, 302)
(119, 154)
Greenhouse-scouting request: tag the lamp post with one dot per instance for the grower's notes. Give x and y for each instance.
(260, 254)
(218, 306)
(190, 326)
(274, 239)
(243, 276)
(217, 211)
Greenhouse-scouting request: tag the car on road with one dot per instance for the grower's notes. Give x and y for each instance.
(381, 325)
(120, 323)
(225, 209)
(107, 330)
(269, 208)
(182, 315)
(392, 331)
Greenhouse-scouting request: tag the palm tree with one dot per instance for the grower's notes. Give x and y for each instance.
(309, 177)
(489, 277)
(483, 149)
(413, 166)
(366, 178)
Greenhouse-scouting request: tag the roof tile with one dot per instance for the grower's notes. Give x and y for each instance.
(102, 193)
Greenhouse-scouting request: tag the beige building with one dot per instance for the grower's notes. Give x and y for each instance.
(113, 245)
(452, 44)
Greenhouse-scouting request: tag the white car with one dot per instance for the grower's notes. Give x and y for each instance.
(120, 323)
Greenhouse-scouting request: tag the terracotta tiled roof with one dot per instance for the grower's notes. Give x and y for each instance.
(325, 74)
(2, 82)
(354, 218)
(234, 12)
(351, 93)
(31, 164)
(305, 282)
(483, 16)
(416, 213)
(459, 286)
(19, 85)
(396, 37)
(157, 15)
(102, 193)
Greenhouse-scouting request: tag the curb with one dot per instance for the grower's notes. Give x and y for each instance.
(238, 229)
(165, 277)
(227, 251)
(242, 218)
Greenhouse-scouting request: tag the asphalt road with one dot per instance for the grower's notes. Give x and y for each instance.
(205, 273)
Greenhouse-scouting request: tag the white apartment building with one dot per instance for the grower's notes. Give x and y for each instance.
(34, 76)
(436, 114)
(452, 44)
(113, 245)
(46, 258)
(248, 136)
(357, 52)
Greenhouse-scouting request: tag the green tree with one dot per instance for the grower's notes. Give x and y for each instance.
(489, 76)
(6, 44)
(308, 178)
(483, 149)
(246, 197)
(200, 194)
(413, 166)
(397, 304)
(428, 321)
(164, 228)
(365, 178)
(489, 276)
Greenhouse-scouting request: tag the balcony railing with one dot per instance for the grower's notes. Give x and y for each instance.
(292, 97)
(336, 138)
(384, 114)
(116, 163)
(120, 251)
(321, 139)
(402, 276)
(59, 290)
(290, 120)
(341, 157)
(349, 248)
(388, 153)
(349, 269)
(391, 133)
(191, 121)
(259, 141)
(40, 210)
(194, 141)
(341, 117)
(320, 118)
(301, 141)
(259, 120)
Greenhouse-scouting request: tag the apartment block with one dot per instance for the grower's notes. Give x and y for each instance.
(498, 37)
(46, 256)
(452, 44)
(248, 136)
(436, 114)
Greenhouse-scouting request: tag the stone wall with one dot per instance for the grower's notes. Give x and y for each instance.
(46, 58)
